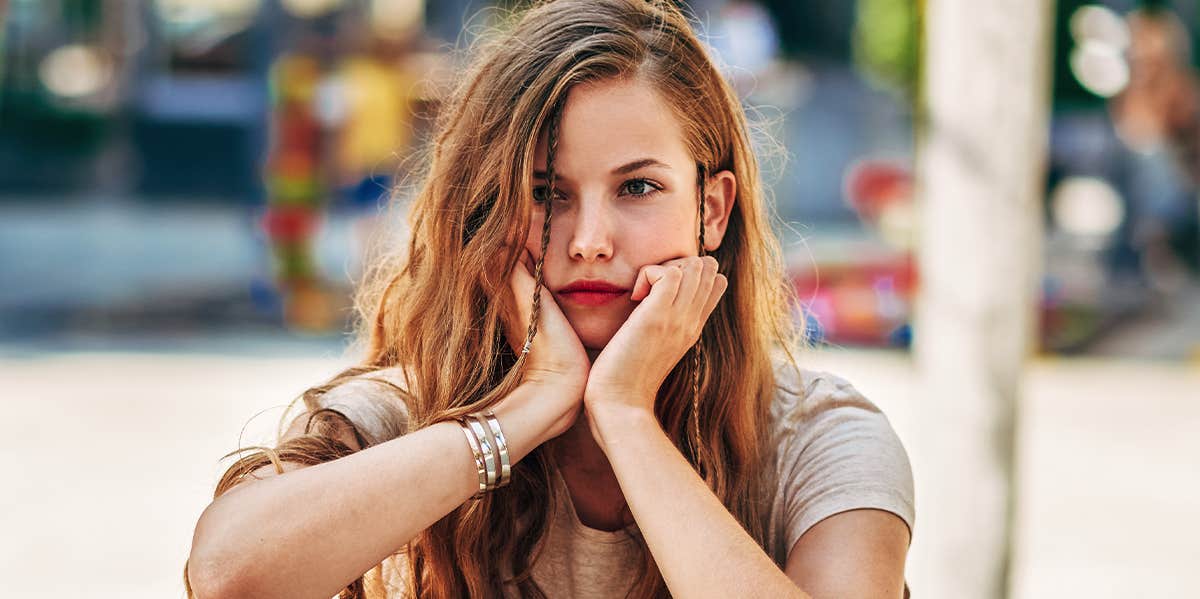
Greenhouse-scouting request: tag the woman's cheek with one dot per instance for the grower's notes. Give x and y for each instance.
(651, 246)
(534, 240)
(533, 243)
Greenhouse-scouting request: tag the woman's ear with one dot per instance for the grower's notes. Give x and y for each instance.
(720, 191)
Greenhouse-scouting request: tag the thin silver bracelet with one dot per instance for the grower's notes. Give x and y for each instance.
(477, 455)
(491, 437)
(502, 448)
(489, 454)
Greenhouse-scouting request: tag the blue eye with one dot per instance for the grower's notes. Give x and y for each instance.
(640, 187)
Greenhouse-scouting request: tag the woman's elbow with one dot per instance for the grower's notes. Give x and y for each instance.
(212, 570)
(206, 580)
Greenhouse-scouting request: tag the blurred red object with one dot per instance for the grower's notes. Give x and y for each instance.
(871, 185)
(858, 290)
(289, 223)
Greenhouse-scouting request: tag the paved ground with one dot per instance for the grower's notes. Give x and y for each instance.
(110, 457)
(1109, 473)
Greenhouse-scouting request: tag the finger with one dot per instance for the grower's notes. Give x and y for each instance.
(658, 282)
(521, 278)
(693, 268)
(522, 283)
(516, 314)
(720, 284)
(641, 286)
(708, 277)
(665, 288)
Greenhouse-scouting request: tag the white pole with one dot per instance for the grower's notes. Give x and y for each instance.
(980, 173)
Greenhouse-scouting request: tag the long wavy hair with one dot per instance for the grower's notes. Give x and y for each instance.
(435, 308)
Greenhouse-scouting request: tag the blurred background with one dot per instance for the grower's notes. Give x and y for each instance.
(187, 188)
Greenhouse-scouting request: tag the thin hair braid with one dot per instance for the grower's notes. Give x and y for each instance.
(551, 149)
(698, 348)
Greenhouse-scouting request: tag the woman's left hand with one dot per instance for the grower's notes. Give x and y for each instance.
(676, 298)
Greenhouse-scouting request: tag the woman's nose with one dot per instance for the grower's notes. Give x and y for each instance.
(591, 234)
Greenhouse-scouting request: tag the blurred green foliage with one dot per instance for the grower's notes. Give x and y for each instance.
(886, 42)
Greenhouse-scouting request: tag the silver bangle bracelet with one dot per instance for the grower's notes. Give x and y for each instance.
(502, 448)
(497, 456)
(489, 454)
(477, 454)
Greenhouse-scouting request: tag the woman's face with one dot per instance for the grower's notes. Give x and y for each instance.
(626, 197)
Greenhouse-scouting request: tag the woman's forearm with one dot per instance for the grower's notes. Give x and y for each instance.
(700, 548)
(311, 531)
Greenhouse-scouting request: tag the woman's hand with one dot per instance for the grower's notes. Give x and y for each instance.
(676, 299)
(557, 362)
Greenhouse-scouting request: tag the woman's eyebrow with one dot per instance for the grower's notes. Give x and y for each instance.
(623, 169)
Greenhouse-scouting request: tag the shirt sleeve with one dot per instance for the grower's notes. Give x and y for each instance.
(372, 402)
(840, 453)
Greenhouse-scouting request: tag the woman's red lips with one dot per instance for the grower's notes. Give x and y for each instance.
(592, 293)
(592, 285)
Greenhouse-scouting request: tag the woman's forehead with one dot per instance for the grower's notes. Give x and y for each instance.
(611, 123)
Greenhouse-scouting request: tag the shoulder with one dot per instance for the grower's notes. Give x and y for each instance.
(342, 416)
(374, 402)
(803, 395)
(837, 451)
(811, 405)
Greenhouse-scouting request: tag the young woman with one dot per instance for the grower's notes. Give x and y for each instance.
(591, 260)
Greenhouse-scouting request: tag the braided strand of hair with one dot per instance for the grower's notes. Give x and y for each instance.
(551, 148)
(698, 348)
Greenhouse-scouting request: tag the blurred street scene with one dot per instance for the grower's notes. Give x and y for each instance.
(232, 155)
(188, 189)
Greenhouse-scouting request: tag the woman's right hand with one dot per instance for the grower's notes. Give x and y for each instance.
(557, 362)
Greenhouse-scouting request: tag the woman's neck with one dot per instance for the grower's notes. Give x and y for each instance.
(577, 450)
(585, 468)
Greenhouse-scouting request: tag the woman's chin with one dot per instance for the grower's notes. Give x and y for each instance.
(594, 338)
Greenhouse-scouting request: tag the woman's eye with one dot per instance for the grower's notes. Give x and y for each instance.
(633, 187)
(639, 187)
(539, 194)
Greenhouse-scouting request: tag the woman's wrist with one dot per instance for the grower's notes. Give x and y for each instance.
(557, 380)
(610, 421)
(535, 412)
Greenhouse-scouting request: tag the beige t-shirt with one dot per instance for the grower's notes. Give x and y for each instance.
(837, 452)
